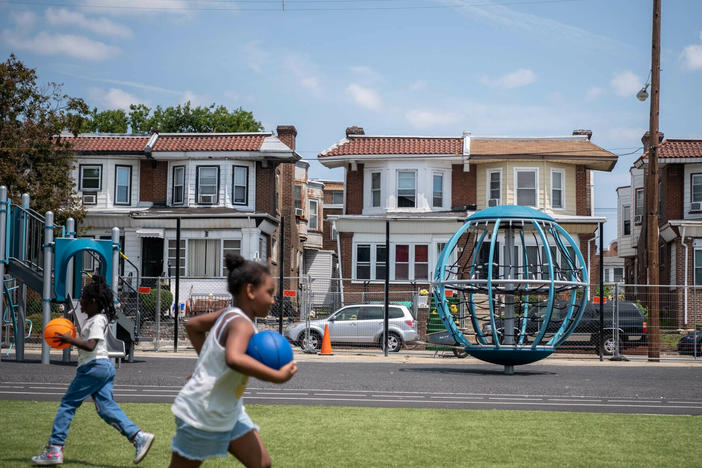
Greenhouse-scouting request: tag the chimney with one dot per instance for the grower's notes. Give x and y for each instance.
(354, 131)
(646, 139)
(287, 134)
(587, 133)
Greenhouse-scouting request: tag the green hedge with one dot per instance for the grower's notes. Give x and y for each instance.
(148, 302)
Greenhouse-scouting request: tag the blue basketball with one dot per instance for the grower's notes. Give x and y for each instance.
(270, 348)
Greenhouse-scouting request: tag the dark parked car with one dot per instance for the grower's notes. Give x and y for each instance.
(631, 326)
(687, 343)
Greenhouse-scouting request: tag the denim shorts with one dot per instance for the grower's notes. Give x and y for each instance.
(196, 444)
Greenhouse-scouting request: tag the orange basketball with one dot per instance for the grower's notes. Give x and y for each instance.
(59, 326)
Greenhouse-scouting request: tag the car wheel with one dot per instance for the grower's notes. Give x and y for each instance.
(394, 342)
(313, 341)
(460, 353)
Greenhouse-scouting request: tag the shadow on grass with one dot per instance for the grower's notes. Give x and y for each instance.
(66, 461)
(481, 371)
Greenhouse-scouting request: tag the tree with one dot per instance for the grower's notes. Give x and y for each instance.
(108, 121)
(185, 118)
(34, 158)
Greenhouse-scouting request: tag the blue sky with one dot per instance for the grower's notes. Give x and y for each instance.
(399, 67)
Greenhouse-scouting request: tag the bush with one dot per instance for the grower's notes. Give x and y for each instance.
(148, 302)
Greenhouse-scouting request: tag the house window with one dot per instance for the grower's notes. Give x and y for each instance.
(363, 261)
(240, 184)
(406, 189)
(314, 216)
(375, 189)
(204, 257)
(298, 196)
(626, 220)
(381, 261)
(402, 262)
(178, 197)
(698, 267)
(231, 247)
(526, 187)
(438, 195)
(494, 188)
(696, 188)
(172, 257)
(421, 262)
(557, 201)
(123, 185)
(208, 185)
(618, 274)
(337, 197)
(90, 178)
(639, 202)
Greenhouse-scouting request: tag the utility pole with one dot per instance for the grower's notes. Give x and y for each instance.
(652, 189)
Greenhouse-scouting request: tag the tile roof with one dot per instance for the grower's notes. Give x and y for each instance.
(396, 145)
(676, 148)
(213, 142)
(537, 146)
(108, 144)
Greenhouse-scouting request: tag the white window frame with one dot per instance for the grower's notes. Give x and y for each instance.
(246, 185)
(183, 257)
(626, 216)
(639, 204)
(695, 267)
(434, 193)
(376, 190)
(313, 214)
(205, 239)
(356, 262)
(562, 189)
(198, 172)
(226, 251)
(297, 190)
(179, 167)
(692, 186)
(129, 184)
(397, 187)
(82, 168)
(333, 196)
(534, 170)
(488, 186)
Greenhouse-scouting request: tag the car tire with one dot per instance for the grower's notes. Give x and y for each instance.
(314, 341)
(394, 342)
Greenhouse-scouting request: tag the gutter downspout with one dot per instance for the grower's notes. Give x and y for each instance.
(686, 254)
(588, 255)
(338, 256)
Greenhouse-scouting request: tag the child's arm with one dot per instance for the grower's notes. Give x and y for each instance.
(198, 326)
(239, 333)
(86, 345)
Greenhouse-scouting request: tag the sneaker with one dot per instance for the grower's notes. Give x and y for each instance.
(53, 455)
(142, 441)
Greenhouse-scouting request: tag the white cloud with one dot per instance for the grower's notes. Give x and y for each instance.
(255, 56)
(423, 119)
(62, 44)
(104, 26)
(114, 98)
(195, 99)
(366, 74)
(418, 85)
(692, 56)
(364, 97)
(626, 84)
(305, 71)
(516, 79)
(24, 20)
(593, 93)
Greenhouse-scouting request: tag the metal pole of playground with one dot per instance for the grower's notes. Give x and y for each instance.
(4, 208)
(115, 270)
(177, 288)
(386, 312)
(46, 293)
(19, 346)
(70, 233)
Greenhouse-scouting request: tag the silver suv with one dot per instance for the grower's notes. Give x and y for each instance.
(358, 324)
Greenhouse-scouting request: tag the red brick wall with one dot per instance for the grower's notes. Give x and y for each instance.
(582, 191)
(153, 182)
(463, 185)
(327, 242)
(672, 193)
(265, 197)
(354, 190)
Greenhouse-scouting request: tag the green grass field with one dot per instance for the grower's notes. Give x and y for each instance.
(307, 436)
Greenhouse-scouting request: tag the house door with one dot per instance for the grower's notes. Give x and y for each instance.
(151, 258)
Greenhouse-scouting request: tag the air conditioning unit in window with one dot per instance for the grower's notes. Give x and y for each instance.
(299, 212)
(638, 219)
(90, 198)
(493, 202)
(206, 199)
(695, 206)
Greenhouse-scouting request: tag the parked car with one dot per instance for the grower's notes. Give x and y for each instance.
(687, 343)
(631, 326)
(358, 324)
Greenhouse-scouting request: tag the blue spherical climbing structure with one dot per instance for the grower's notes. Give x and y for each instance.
(522, 283)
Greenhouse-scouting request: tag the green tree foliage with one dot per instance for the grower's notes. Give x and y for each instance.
(34, 158)
(108, 121)
(186, 118)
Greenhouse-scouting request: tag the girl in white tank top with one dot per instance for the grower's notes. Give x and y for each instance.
(210, 416)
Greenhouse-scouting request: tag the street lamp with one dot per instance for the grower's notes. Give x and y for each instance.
(643, 94)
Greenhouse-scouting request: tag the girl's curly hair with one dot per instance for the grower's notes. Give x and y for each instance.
(99, 290)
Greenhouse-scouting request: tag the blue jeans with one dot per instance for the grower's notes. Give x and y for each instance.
(95, 379)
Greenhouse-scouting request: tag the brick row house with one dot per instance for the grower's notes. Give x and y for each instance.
(229, 189)
(427, 186)
(679, 223)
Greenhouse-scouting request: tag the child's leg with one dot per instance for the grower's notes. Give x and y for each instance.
(178, 461)
(84, 384)
(106, 406)
(250, 451)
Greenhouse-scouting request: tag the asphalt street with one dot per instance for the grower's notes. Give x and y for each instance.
(403, 381)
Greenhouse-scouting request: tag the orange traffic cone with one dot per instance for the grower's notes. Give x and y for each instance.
(326, 342)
